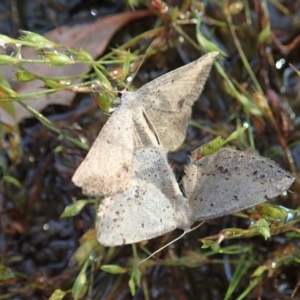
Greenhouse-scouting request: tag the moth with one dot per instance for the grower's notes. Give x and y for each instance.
(158, 111)
(219, 184)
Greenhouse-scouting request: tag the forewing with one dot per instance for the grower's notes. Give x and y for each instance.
(140, 213)
(230, 180)
(107, 168)
(179, 87)
(151, 165)
(171, 127)
(168, 99)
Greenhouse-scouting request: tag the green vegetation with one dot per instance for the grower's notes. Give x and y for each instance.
(251, 255)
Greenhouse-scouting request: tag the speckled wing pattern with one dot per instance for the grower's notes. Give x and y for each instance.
(168, 100)
(140, 213)
(147, 208)
(231, 180)
(216, 185)
(107, 166)
(158, 113)
(151, 165)
(127, 164)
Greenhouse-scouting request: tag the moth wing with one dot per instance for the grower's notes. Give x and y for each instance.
(150, 165)
(107, 168)
(168, 99)
(140, 213)
(230, 180)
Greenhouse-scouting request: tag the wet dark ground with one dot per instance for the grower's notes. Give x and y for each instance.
(38, 246)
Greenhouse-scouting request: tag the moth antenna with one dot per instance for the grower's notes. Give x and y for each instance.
(194, 228)
(165, 246)
(173, 241)
(144, 57)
